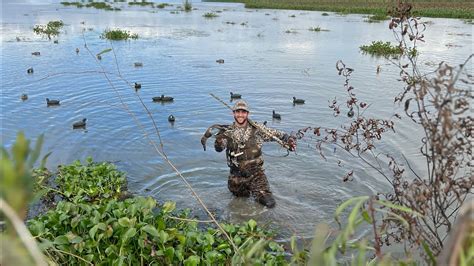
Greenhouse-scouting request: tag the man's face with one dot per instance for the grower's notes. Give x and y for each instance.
(240, 116)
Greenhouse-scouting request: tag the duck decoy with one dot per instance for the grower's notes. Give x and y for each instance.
(51, 102)
(220, 61)
(77, 50)
(235, 96)
(138, 86)
(99, 57)
(24, 97)
(350, 113)
(379, 68)
(265, 122)
(56, 41)
(36, 53)
(171, 118)
(298, 101)
(138, 64)
(29, 70)
(275, 115)
(80, 124)
(166, 98)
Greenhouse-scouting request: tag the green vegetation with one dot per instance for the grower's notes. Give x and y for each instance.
(381, 48)
(118, 34)
(377, 18)
(98, 5)
(162, 5)
(187, 6)
(210, 15)
(143, 3)
(425, 8)
(317, 29)
(77, 4)
(50, 29)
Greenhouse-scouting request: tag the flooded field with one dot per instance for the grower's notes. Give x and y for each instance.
(269, 57)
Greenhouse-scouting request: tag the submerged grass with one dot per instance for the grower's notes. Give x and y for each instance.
(425, 8)
(118, 34)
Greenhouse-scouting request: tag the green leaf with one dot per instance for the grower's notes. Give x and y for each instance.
(163, 236)
(124, 222)
(150, 230)
(398, 207)
(93, 231)
(169, 253)
(76, 240)
(131, 232)
(366, 216)
(346, 204)
(169, 206)
(192, 261)
(252, 223)
(429, 253)
(61, 240)
(103, 52)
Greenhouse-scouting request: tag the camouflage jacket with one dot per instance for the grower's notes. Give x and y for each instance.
(243, 145)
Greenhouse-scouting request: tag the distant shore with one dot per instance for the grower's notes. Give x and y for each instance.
(463, 9)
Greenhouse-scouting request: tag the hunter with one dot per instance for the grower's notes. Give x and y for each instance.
(243, 144)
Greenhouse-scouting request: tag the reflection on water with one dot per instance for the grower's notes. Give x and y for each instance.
(179, 52)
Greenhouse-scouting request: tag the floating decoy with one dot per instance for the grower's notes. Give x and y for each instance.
(350, 113)
(29, 70)
(99, 57)
(265, 122)
(138, 64)
(275, 115)
(24, 97)
(77, 50)
(297, 101)
(220, 61)
(379, 68)
(171, 118)
(235, 96)
(51, 102)
(138, 86)
(80, 124)
(36, 53)
(18, 39)
(56, 41)
(166, 98)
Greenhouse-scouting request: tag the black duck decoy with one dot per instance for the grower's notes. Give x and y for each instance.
(220, 61)
(163, 98)
(24, 97)
(29, 70)
(99, 57)
(138, 64)
(275, 115)
(235, 96)
(80, 124)
(138, 86)
(350, 113)
(171, 118)
(52, 102)
(298, 101)
(56, 41)
(77, 50)
(36, 53)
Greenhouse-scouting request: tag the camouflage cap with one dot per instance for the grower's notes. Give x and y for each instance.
(241, 105)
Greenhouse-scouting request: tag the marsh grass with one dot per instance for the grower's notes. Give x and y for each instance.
(317, 29)
(377, 18)
(141, 4)
(188, 6)
(425, 8)
(118, 34)
(162, 5)
(97, 5)
(380, 48)
(210, 15)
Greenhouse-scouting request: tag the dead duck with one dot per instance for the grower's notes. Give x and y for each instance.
(36, 53)
(220, 61)
(138, 86)
(24, 97)
(171, 118)
(52, 102)
(275, 115)
(298, 101)
(138, 64)
(79, 124)
(29, 70)
(235, 95)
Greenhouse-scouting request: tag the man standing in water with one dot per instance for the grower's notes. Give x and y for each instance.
(243, 144)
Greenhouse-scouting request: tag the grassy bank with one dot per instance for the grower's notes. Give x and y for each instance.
(424, 8)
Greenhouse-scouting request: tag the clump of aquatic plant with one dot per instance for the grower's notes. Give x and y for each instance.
(162, 5)
(143, 3)
(381, 48)
(77, 4)
(50, 29)
(210, 15)
(118, 34)
(377, 18)
(188, 6)
(317, 29)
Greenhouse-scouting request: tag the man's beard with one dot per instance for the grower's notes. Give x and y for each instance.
(240, 124)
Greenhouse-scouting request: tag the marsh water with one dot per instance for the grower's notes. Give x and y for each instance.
(263, 62)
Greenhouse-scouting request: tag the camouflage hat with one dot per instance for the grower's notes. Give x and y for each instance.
(241, 105)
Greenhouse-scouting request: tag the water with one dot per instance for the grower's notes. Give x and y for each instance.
(179, 53)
